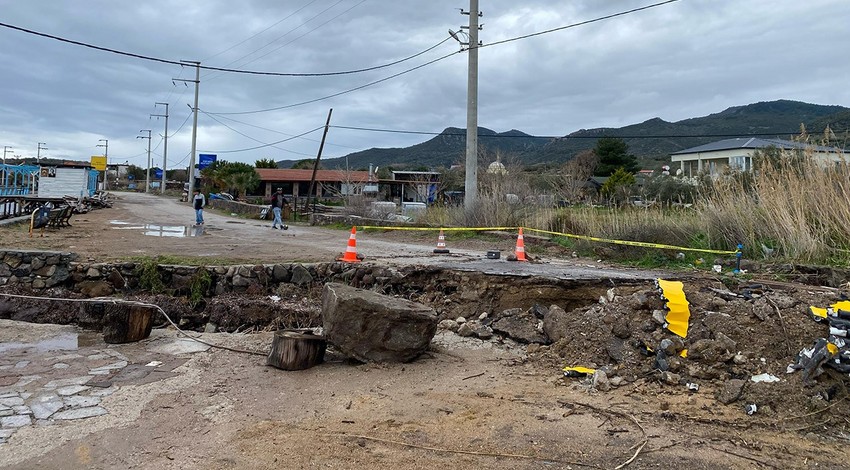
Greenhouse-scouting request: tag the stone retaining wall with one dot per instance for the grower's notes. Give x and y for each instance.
(36, 271)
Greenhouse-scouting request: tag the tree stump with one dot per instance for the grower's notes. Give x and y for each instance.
(123, 323)
(296, 350)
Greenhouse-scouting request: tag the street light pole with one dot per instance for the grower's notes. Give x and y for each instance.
(148, 170)
(38, 153)
(6, 149)
(164, 145)
(197, 82)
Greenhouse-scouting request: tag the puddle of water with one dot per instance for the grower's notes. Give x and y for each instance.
(61, 342)
(153, 230)
(118, 222)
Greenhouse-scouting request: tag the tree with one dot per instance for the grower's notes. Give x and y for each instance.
(613, 153)
(617, 186)
(265, 163)
(233, 177)
(568, 183)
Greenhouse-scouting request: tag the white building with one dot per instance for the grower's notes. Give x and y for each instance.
(714, 158)
(67, 179)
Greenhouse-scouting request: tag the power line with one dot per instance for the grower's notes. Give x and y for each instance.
(252, 138)
(265, 145)
(342, 92)
(261, 32)
(218, 69)
(277, 131)
(308, 32)
(582, 23)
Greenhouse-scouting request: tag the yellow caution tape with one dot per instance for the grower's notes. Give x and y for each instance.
(434, 229)
(677, 305)
(684, 353)
(580, 370)
(631, 243)
(558, 234)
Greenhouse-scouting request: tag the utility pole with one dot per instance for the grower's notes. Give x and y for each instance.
(6, 149)
(105, 146)
(164, 145)
(38, 153)
(316, 164)
(470, 198)
(148, 171)
(197, 82)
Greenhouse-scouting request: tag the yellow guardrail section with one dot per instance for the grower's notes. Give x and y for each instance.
(558, 234)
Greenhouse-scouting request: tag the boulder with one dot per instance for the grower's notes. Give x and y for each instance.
(95, 288)
(555, 324)
(520, 325)
(370, 327)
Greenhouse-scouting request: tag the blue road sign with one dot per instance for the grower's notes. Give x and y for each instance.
(205, 160)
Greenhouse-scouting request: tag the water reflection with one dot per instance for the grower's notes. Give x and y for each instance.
(153, 230)
(61, 342)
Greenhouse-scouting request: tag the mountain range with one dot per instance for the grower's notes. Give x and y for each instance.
(651, 141)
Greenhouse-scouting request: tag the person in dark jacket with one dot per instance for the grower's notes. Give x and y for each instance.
(278, 201)
(198, 202)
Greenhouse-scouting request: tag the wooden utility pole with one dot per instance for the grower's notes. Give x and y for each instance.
(316, 164)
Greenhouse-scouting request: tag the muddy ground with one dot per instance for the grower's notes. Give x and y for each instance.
(467, 403)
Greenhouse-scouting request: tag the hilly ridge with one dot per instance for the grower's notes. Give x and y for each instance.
(651, 141)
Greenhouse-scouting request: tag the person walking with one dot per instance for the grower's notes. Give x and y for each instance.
(278, 201)
(198, 202)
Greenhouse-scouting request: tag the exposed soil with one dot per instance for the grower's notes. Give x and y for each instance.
(467, 403)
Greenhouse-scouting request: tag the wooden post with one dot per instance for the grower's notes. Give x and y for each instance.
(126, 323)
(296, 350)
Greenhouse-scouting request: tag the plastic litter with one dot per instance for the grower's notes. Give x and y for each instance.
(678, 313)
(692, 387)
(751, 409)
(764, 378)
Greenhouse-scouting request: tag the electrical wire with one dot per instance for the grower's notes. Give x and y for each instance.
(341, 92)
(115, 301)
(252, 138)
(574, 25)
(308, 32)
(261, 32)
(219, 69)
(265, 145)
(279, 132)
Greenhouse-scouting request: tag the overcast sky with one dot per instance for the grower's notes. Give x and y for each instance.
(685, 59)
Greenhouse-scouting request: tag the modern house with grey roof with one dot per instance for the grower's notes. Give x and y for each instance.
(714, 158)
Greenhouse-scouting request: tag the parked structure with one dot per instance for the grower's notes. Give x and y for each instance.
(18, 180)
(714, 158)
(295, 183)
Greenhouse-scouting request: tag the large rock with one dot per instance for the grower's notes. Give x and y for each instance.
(373, 327)
(556, 324)
(520, 325)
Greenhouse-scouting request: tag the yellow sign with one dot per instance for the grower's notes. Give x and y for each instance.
(98, 162)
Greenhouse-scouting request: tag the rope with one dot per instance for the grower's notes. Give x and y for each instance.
(139, 304)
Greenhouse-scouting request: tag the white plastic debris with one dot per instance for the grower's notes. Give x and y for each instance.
(153, 364)
(274, 298)
(764, 378)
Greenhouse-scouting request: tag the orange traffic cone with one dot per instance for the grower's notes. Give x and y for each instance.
(520, 247)
(351, 252)
(441, 244)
